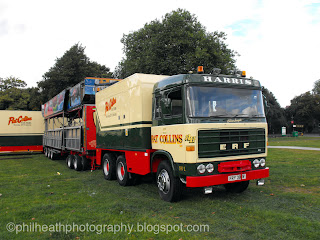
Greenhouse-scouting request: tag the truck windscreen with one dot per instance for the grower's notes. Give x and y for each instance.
(224, 102)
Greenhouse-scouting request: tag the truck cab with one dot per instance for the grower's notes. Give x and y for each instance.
(211, 129)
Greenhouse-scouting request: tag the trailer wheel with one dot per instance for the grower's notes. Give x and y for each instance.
(109, 166)
(49, 153)
(169, 187)
(77, 163)
(237, 187)
(85, 163)
(70, 160)
(45, 151)
(123, 176)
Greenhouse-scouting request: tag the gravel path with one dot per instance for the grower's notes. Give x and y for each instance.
(293, 147)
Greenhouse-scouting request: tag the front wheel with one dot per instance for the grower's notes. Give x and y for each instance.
(169, 187)
(237, 187)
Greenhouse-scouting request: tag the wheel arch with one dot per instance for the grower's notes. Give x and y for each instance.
(162, 155)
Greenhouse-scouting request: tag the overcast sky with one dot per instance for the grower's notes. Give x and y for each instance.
(278, 40)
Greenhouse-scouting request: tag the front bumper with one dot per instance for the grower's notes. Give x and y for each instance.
(206, 181)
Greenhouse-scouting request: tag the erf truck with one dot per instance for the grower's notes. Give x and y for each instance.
(21, 131)
(190, 130)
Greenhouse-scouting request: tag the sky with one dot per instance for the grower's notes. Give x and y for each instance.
(278, 40)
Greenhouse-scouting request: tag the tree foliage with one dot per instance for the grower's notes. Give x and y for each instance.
(177, 44)
(13, 95)
(316, 87)
(305, 110)
(275, 114)
(69, 70)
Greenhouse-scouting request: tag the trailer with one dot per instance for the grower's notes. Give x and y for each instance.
(21, 131)
(69, 123)
(189, 130)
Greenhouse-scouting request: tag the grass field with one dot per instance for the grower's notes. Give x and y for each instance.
(295, 141)
(34, 196)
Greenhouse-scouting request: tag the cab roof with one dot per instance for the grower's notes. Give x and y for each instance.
(207, 79)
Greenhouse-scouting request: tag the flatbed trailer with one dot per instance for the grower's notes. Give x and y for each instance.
(69, 123)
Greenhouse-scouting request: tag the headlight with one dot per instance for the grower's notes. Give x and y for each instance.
(210, 168)
(262, 162)
(256, 163)
(201, 169)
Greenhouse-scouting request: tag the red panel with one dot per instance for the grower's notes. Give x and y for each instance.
(8, 149)
(90, 142)
(138, 162)
(234, 166)
(98, 156)
(206, 181)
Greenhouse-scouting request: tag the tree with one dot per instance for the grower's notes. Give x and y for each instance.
(177, 44)
(13, 95)
(305, 110)
(11, 82)
(69, 70)
(34, 103)
(316, 87)
(275, 114)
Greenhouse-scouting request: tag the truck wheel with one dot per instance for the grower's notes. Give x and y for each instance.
(53, 155)
(85, 163)
(237, 187)
(70, 160)
(45, 151)
(123, 176)
(169, 187)
(109, 166)
(77, 163)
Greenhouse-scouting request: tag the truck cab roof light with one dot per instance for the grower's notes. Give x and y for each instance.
(200, 69)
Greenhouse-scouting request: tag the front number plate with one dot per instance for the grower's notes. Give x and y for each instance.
(234, 177)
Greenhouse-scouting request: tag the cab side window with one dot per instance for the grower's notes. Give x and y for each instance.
(157, 108)
(172, 107)
(176, 103)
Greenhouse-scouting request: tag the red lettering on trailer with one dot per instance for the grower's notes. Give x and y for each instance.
(19, 119)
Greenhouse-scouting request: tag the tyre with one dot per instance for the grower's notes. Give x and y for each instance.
(237, 187)
(169, 187)
(70, 160)
(123, 176)
(109, 166)
(85, 163)
(53, 155)
(45, 151)
(77, 163)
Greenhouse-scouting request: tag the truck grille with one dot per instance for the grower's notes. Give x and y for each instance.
(231, 142)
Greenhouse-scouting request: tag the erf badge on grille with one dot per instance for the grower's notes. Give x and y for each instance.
(233, 146)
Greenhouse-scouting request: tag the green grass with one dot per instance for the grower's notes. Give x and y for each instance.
(300, 141)
(287, 207)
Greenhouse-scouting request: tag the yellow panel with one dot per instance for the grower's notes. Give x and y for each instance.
(21, 122)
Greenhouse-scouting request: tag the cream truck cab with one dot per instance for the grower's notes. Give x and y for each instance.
(192, 130)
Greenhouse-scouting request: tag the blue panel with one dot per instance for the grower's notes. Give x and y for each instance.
(89, 90)
(89, 81)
